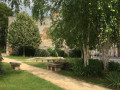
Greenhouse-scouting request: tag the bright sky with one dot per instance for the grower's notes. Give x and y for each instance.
(23, 8)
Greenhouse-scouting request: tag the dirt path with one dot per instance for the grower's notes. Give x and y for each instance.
(62, 81)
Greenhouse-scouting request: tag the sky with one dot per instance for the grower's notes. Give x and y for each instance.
(23, 8)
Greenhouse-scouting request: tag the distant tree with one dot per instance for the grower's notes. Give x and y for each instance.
(24, 33)
(5, 11)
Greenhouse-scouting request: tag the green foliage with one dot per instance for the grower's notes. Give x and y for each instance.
(114, 79)
(2, 50)
(56, 52)
(60, 52)
(18, 51)
(75, 53)
(67, 66)
(52, 52)
(2, 70)
(94, 68)
(5, 11)
(42, 53)
(114, 66)
(23, 32)
(1, 65)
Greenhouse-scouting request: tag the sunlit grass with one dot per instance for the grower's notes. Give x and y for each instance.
(22, 80)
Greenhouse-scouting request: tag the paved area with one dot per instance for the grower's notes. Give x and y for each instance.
(62, 81)
(115, 59)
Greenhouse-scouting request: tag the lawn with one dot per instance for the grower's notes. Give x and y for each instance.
(22, 80)
(20, 58)
(94, 80)
(37, 64)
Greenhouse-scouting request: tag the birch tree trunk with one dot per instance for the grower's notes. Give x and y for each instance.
(105, 54)
(86, 55)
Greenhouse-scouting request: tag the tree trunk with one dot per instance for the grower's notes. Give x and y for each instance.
(86, 55)
(23, 51)
(85, 59)
(105, 54)
(87, 50)
(82, 54)
(118, 52)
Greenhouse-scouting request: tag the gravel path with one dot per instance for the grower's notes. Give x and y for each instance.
(62, 81)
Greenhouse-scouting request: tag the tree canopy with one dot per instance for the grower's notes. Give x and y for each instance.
(23, 32)
(5, 11)
(82, 23)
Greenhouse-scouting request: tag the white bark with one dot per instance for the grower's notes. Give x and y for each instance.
(85, 59)
(86, 55)
(105, 54)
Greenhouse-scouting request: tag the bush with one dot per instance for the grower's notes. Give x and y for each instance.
(52, 52)
(56, 52)
(18, 51)
(42, 53)
(2, 50)
(78, 67)
(94, 68)
(75, 53)
(114, 66)
(60, 52)
(113, 79)
(1, 66)
(67, 66)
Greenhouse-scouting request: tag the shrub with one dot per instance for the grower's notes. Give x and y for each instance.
(94, 68)
(2, 50)
(60, 52)
(18, 51)
(114, 66)
(67, 66)
(113, 79)
(78, 67)
(42, 53)
(52, 52)
(1, 66)
(75, 53)
(56, 52)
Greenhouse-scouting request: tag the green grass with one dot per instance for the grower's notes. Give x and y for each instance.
(22, 80)
(20, 58)
(94, 80)
(37, 64)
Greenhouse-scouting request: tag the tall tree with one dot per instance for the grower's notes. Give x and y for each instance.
(5, 11)
(23, 32)
(108, 26)
(84, 23)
